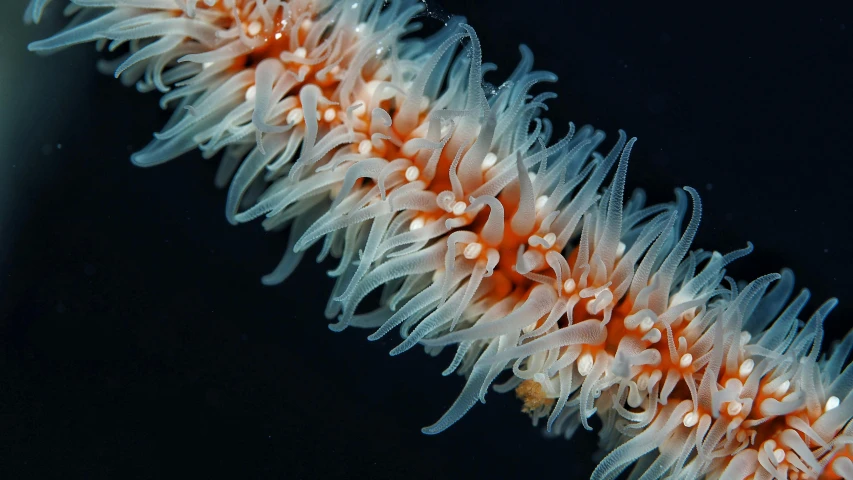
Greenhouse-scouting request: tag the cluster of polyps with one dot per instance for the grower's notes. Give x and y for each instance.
(390, 154)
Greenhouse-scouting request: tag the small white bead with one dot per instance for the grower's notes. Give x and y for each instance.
(416, 224)
(569, 286)
(779, 455)
(831, 402)
(686, 360)
(278, 36)
(251, 92)
(329, 114)
(746, 368)
(489, 161)
(541, 201)
(472, 251)
(585, 364)
(412, 173)
(300, 52)
(365, 147)
(295, 116)
(690, 419)
(459, 208)
(254, 28)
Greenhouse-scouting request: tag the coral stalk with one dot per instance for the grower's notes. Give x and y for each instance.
(482, 233)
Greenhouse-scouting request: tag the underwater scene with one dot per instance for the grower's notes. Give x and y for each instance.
(230, 230)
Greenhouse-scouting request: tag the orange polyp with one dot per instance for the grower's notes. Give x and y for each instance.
(503, 286)
(301, 52)
(441, 181)
(274, 42)
(615, 331)
(508, 251)
(302, 49)
(505, 280)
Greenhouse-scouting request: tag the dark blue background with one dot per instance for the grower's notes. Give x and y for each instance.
(137, 342)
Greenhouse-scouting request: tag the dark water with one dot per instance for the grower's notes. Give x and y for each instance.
(137, 341)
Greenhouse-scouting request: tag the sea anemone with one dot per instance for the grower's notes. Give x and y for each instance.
(482, 233)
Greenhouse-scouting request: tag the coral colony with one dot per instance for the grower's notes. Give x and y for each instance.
(483, 233)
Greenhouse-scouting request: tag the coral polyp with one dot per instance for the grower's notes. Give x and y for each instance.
(483, 233)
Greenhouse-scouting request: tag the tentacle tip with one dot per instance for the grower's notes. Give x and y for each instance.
(432, 430)
(378, 334)
(337, 327)
(141, 160)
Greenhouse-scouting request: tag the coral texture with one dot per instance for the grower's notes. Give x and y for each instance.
(482, 233)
